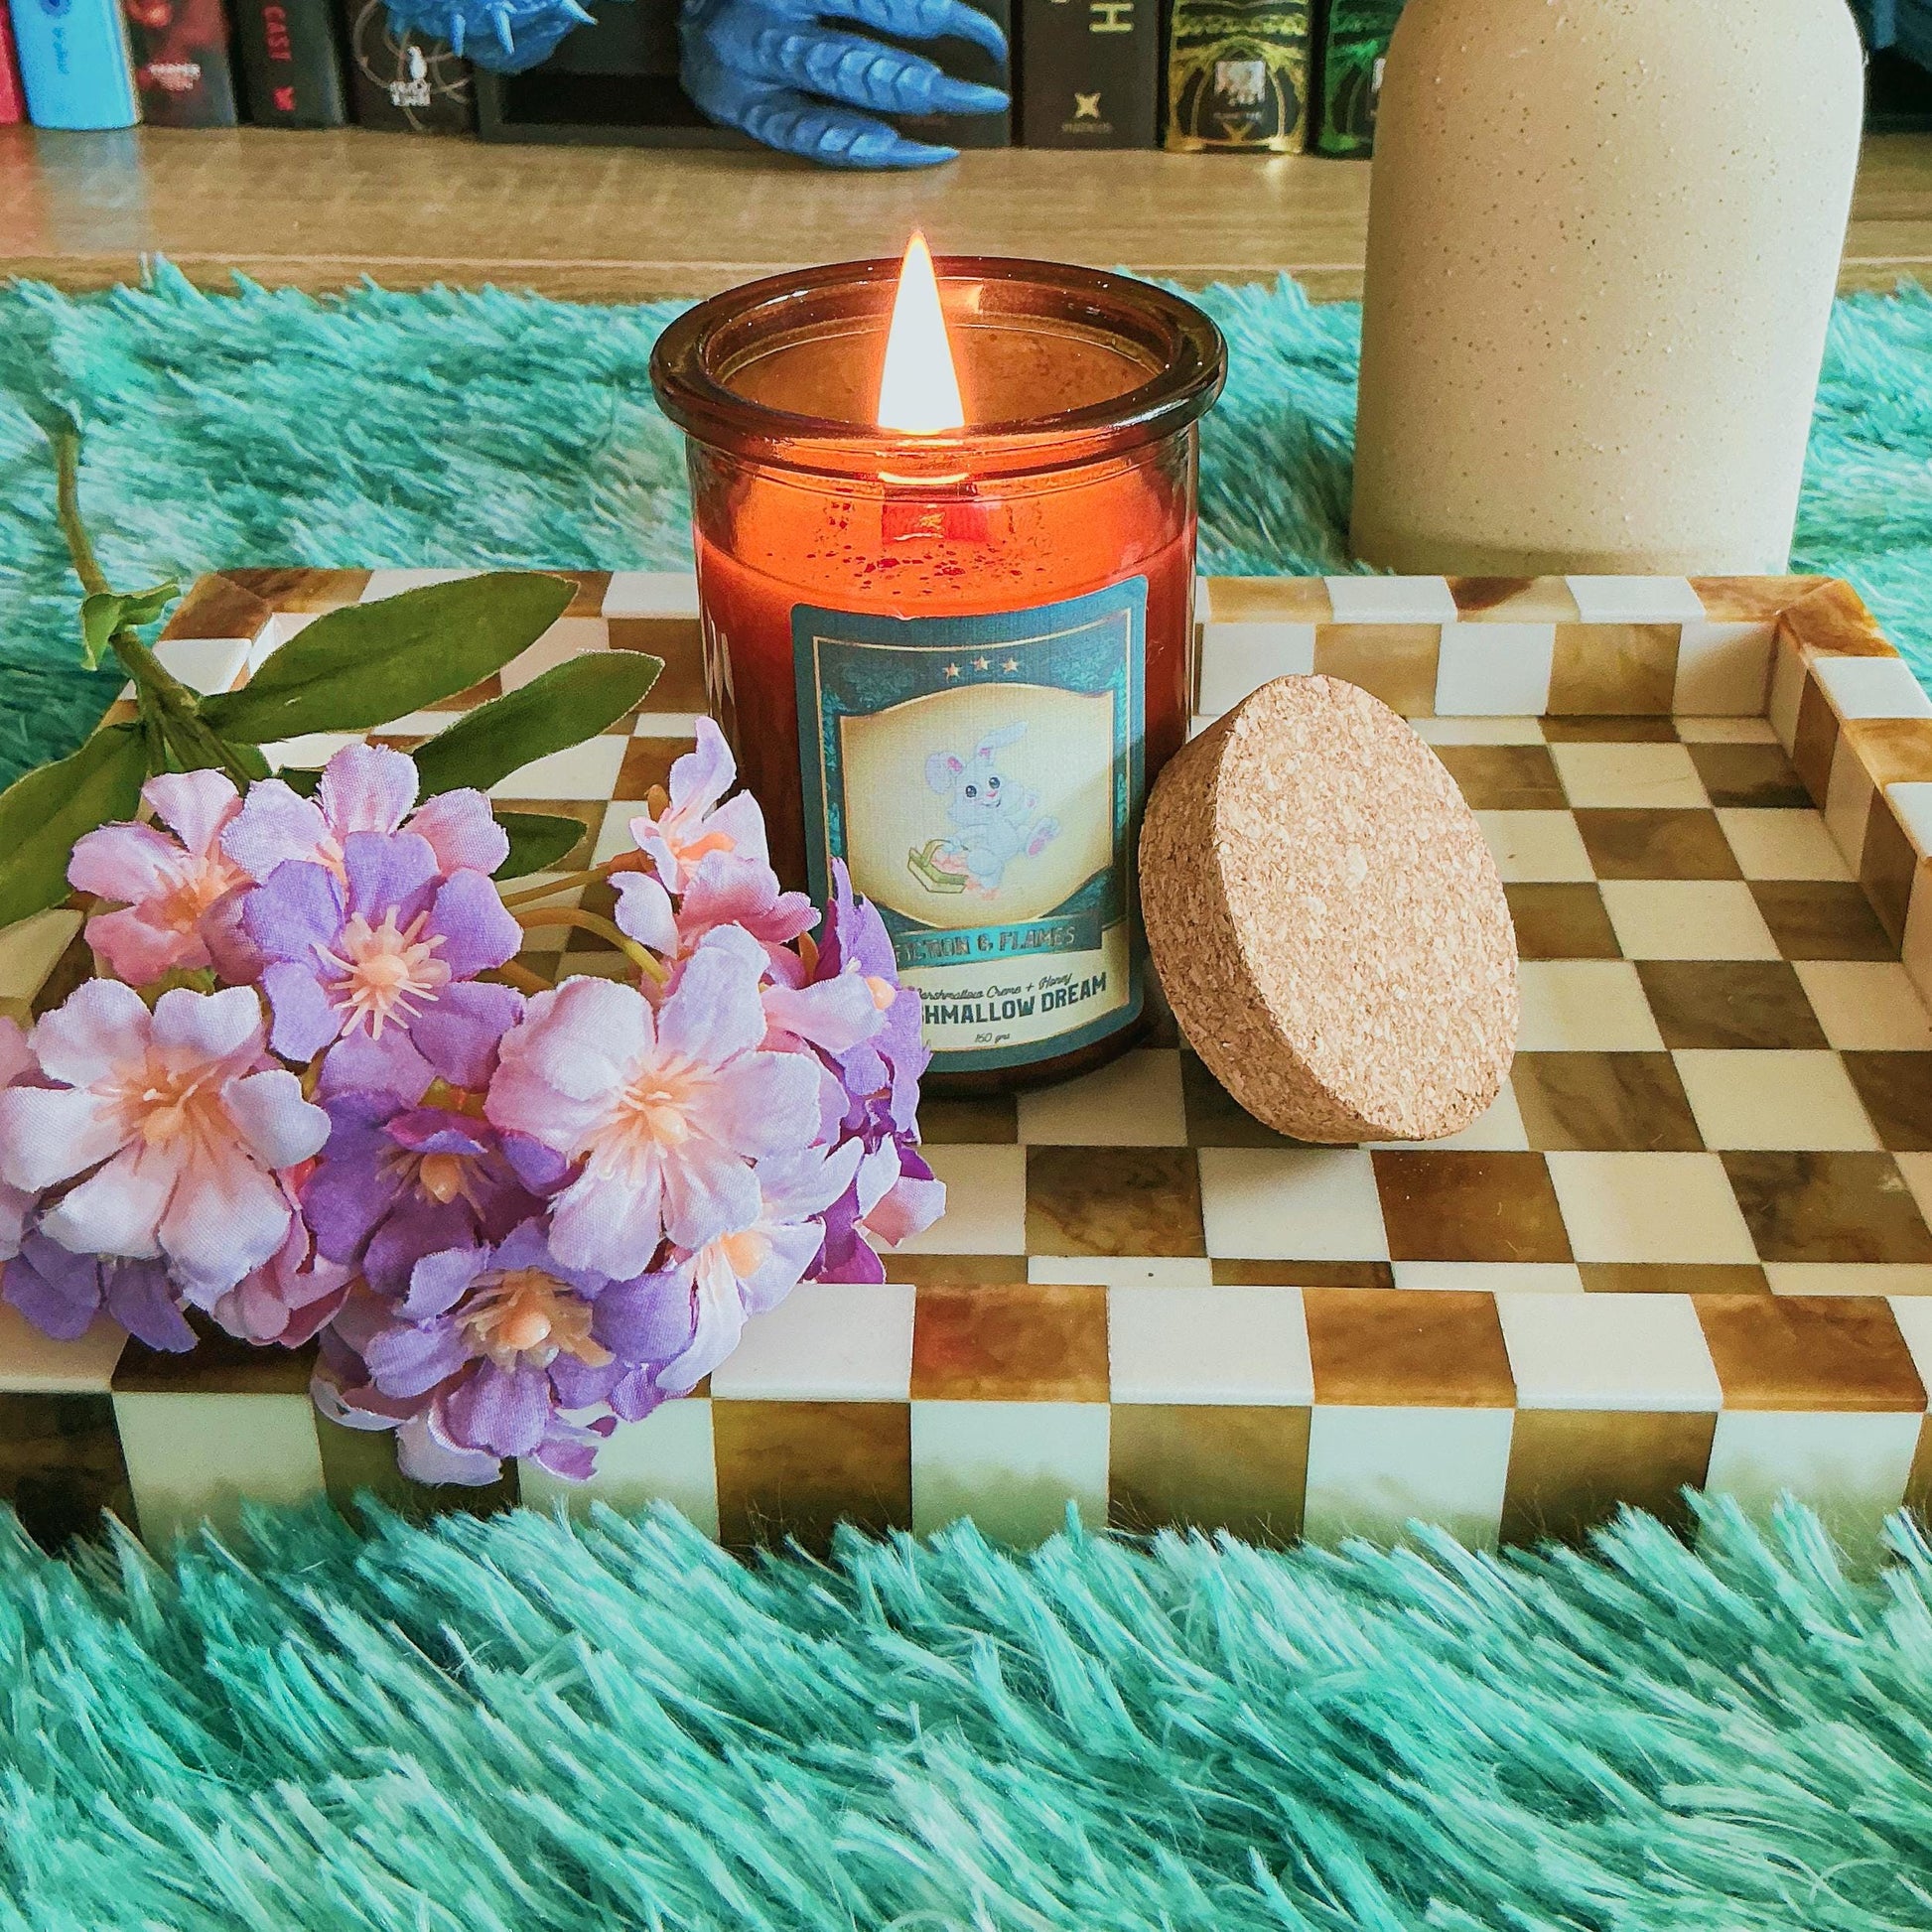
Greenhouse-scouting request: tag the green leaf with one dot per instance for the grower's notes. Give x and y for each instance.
(100, 618)
(301, 778)
(105, 611)
(42, 814)
(537, 841)
(368, 663)
(568, 703)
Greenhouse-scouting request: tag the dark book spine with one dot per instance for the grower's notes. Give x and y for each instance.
(964, 61)
(1090, 74)
(291, 62)
(405, 82)
(179, 50)
(13, 103)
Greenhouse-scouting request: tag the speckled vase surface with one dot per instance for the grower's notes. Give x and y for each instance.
(1603, 236)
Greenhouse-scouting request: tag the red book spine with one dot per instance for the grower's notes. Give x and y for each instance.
(13, 105)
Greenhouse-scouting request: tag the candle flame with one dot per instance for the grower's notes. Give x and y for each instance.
(919, 390)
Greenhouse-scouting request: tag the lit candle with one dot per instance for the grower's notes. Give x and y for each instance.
(945, 547)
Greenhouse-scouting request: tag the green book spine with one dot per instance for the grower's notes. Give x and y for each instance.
(1356, 45)
(1238, 75)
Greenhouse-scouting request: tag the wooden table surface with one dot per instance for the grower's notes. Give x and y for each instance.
(318, 209)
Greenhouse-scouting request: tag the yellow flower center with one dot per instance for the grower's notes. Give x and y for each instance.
(528, 1318)
(384, 973)
(161, 1105)
(442, 1177)
(197, 884)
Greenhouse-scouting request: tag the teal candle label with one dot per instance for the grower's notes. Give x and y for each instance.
(982, 779)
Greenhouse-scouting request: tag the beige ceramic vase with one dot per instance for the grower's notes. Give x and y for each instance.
(1604, 237)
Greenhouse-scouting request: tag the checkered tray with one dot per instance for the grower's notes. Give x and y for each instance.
(1688, 1243)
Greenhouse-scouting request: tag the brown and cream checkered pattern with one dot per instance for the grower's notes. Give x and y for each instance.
(1690, 1242)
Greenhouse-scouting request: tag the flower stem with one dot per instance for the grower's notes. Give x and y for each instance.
(565, 882)
(171, 720)
(523, 979)
(647, 963)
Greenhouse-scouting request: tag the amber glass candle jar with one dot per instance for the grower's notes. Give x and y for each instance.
(956, 659)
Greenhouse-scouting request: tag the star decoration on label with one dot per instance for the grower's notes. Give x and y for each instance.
(1012, 665)
(982, 664)
(1086, 107)
(953, 670)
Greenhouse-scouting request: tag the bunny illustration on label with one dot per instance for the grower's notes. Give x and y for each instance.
(982, 779)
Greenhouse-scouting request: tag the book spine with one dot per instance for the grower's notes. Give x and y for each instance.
(13, 103)
(1356, 43)
(1238, 75)
(73, 64)
(291, 62)
(1090, 74)
(407, 82)
(181, 62)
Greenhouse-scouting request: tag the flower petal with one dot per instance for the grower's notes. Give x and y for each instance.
(226, 1217)
(506, 1410)
(99, 1028)
(141, 1299)
(279, 1127)
(409, 1358)
(461, 831)
(585, 1040)
(366, 789)
(703, 774)
(715, 1012)
(643, 911)
(57, 1292)
(51, 1133)
(128, 863)
(297, 913)
(835, 1014)
(460, 1034)
(649, 1319)
(610, 1227)
(425, 1455)
(708, 1192)
(439, 1281)
(742, 823)
(194, 1029)
(358, 1063)
(762, 1103)
(140, 951)
(276, 825)
(478, 933)
(720, 1323)
(118, 1209)
(305, 1022)
(197, 804)
(417, 1228)
(388, 871)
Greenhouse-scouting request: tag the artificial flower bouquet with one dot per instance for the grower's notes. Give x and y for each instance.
(309, 1094)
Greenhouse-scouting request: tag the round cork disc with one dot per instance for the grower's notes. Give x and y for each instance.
(1328, 922)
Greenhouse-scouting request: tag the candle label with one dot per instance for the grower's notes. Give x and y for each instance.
(982, 779)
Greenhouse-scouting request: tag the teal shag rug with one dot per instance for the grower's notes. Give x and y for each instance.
(510, 1725)
(269, 427)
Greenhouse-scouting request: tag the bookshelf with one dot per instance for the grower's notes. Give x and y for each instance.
(314, 210)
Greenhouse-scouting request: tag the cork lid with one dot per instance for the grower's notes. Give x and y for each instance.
(1328, 920)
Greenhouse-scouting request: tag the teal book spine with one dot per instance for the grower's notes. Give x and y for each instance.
(73, 64)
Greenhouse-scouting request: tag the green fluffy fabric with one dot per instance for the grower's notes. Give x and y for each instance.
(269, 427)
(509, 1724)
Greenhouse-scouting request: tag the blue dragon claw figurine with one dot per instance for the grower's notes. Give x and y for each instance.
(775, 69)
